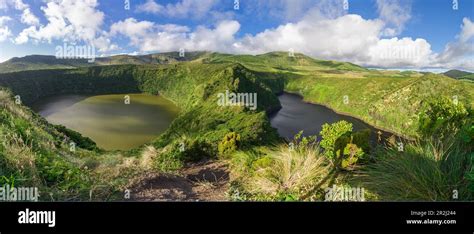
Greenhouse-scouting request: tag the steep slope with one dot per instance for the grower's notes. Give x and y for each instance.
(36, 153)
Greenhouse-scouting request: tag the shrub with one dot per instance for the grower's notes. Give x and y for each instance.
(167, 162)
(229, 144)
(342, 145)
(351, 155)
(347, 151)
(362, 139)
(441, 117)
(330, 133)
(180, 152)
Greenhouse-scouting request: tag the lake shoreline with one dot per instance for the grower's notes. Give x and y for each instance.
(348, 115)
(113, 121)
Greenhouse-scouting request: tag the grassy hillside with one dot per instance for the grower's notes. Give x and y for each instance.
(387, 99)
(460, 75)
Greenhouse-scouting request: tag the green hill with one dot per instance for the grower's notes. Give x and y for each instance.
(460, 75)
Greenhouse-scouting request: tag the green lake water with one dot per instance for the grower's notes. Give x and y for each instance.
(107, 120)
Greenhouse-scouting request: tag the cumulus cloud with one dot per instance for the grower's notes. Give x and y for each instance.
(181, 9)
(395, 13)
(19, 5)
(148, 36)
(70, 21)
(404, 52)
(467, 30)
(458, 54)
(29, 18)
(348, 36)
(5, 32)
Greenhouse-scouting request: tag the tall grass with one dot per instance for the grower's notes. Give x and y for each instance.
(286, 173)
(425, 171)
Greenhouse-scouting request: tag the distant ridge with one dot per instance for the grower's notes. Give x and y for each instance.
(278, 60)
(460, 75)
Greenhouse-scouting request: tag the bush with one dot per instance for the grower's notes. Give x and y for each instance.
(342, 145)
(180, 152)
(441, 117)
(229, 144)
(167, 162)
(351, 155)
(330, 133)
(347, 152)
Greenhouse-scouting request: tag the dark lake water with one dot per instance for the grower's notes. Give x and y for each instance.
(107, 120)
(296, 115)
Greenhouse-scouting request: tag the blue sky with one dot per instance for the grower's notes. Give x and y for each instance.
(417, 34)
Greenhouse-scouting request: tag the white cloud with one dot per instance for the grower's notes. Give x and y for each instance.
(181, 9)
(70, 21)
(404, 52)
(74, 20)
(19, 5)
(4, 19)
(345, 37)
(395, 14)
(132, 28)
(148, 36)
(3, 4)
(5, 32)
(459, 53)
(467, 30)
(29, 18)
(22, 37)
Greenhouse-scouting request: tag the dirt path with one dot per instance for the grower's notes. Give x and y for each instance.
(206, 181)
